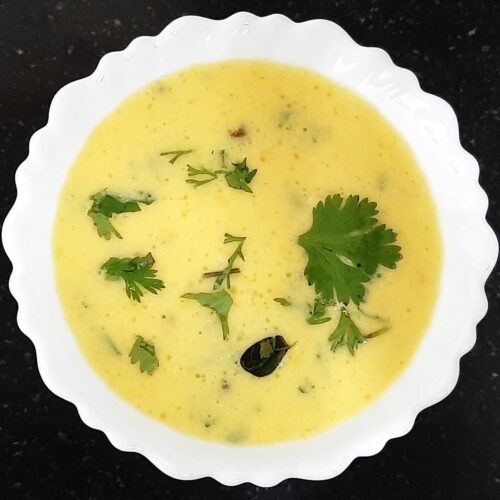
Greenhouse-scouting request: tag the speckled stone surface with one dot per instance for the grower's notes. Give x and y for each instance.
(453, 452)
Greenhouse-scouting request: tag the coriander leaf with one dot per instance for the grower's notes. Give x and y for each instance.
(282, 301)
(144, 352)
(208, 175)
(216, 274)
(346, 333)
(345, 245)
(238, 178)
(225, 274)
(220, 302)
(263, 357)
(105, 205)
(241, 176)
(318, 313)
(136, 273)
(176, 154)
(103, 226)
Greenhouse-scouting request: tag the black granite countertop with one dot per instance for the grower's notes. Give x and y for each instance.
(453, 452)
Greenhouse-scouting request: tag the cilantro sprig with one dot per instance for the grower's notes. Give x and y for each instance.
(220, 302)
(225, 274)
(137, 274)
(345, 246)
(238, 177)
(346, 333)
(203, 175)
(106, 204)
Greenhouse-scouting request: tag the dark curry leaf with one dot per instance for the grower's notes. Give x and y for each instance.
(263, 357)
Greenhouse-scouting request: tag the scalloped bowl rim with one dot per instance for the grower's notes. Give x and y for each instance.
(429, 126)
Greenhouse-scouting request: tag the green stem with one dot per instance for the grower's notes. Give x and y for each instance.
(225, 326)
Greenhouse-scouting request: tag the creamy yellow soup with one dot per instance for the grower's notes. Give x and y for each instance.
(308, 138)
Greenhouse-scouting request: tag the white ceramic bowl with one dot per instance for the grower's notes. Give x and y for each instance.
(426, 122)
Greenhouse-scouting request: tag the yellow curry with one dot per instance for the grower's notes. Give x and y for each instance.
(247, 252)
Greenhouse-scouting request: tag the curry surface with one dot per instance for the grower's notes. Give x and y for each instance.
(308, 138)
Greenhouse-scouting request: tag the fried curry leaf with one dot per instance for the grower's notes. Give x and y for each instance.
(241, 176)
(263, 357)
(136, 273)
(144, 353)
(345, 245)
(106, 204)
(346, 333)
(220, 302)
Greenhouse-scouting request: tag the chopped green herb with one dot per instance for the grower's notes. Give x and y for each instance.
(136, 272)
(282, 301)
(241, 176)
(345, 246)
(225, 274)
(144, 353)
(105, 205)
(318, 313)
(238, 178)
(371, 325)
(215, 274)
(206, 174)
(176, 154)
(220, 302)
(346, 333)
(263, 357)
